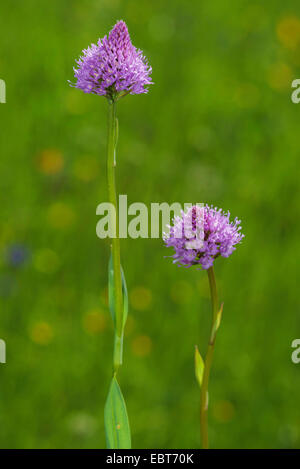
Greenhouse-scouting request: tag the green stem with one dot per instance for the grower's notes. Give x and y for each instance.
(208, 359)
(112, 196)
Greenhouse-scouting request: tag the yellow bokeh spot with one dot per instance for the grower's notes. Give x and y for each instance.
(223, 411)
(280, 76)
(181, 292)
(94, 322)
(140, 298)
(61, 216)
(141, 346)
(50, 161)
(86, 169)
(41, 333)
(288, 32)
(46, 261)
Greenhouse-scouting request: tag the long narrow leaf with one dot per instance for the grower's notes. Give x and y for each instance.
(116, 422)
(199, 366)
(111, 289)
(111, 293)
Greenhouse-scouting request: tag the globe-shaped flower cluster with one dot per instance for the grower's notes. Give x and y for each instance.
(202, 234)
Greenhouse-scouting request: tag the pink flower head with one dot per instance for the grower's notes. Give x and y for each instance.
(113, 67)
(201, 235)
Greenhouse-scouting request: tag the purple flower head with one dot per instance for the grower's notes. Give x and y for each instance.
(201, 235)
(113, 67)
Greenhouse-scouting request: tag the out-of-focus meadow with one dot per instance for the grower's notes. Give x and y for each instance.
(218, 126)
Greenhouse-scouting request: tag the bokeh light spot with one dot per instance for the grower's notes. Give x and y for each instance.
(141, 345)
(41, 333)
(94, 322)
(17, 255)
(50, 161)
(46, 261)
(140, 298)
(61, 216)
(82, 424)
(288, 32)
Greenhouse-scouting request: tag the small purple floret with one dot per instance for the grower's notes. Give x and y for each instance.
(113, 67)
(219, 236)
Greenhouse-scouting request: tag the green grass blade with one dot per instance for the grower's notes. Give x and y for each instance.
(111, 293)
(199, 366)
(116, 422)
(111, 289)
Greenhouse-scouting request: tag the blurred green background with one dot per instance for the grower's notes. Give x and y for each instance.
(218, 126)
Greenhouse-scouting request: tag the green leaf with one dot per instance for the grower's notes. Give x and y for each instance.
(118, 349)
(125, 298)
(219, 317)
(199, 366)
(116, 422)
(111, 289)
(217, 322)
(111, 293)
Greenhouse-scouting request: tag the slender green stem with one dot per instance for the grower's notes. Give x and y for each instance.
(208, 359)
(112, 196)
